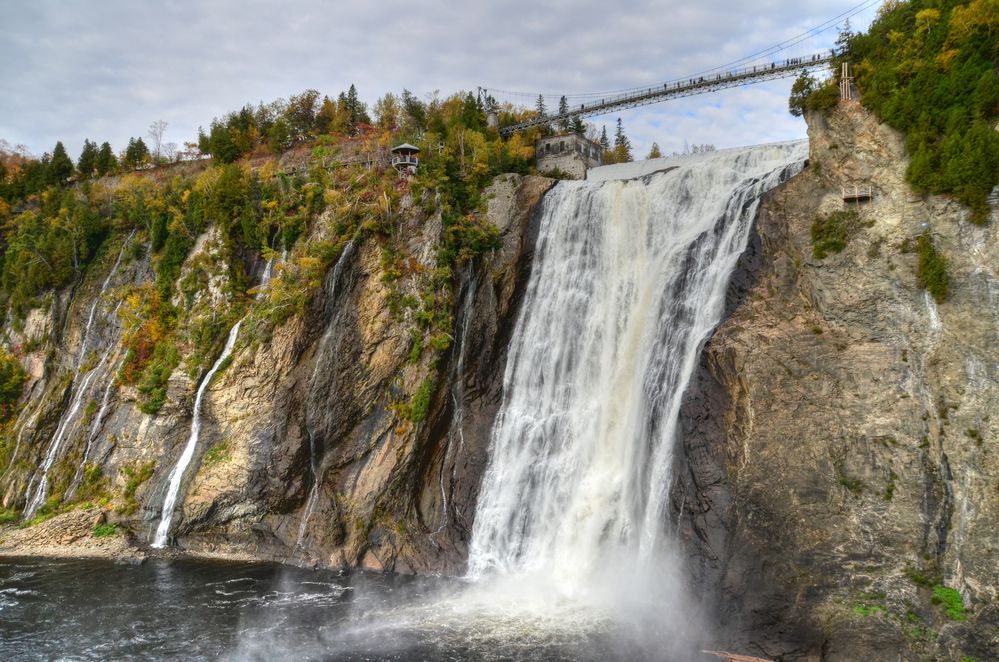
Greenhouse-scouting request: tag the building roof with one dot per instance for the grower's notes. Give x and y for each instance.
(405, 147)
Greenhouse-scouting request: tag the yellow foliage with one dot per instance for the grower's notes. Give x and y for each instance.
(967, 19)
(946, 57)
(926, 18)
(268, 170)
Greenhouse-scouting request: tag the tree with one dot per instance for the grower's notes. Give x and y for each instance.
(356, 109)
(843, 40)
(604, 142)
(86, 165)
(802, 88)
(136, 154)
(106, 160)
(12, 378)
(655, 152)
(415, 111)
(301, 114)
(546, 128)
(622, 146)
(578, 126)
(60, 165)
(279, 136)
(387, 112)
(156, 130)
(563, 107)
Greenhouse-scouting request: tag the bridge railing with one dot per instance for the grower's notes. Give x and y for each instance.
(678, 88)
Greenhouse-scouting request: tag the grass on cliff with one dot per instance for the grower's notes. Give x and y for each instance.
(831, 233)
(931, 268)
(950, 601)
(135, 476)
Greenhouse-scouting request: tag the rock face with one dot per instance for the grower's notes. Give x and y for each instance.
(302, 456)
(841, 447)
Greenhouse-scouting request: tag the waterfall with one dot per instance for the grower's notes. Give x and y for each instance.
(331, 293)
(97, 300)
(628, 282)
(455, 433)
(95, 429)
(177, 475)
(40, 481)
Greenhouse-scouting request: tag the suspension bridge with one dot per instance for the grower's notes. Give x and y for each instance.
(671, 90)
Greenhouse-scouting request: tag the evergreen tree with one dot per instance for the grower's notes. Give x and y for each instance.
(106, 161)
(356, 108)
(655, 152)
(60, 166)
(136, 154)
(604, 142)
(546, 128)
(622, 146)
(563, 108)
(87, 163)
(578, 127)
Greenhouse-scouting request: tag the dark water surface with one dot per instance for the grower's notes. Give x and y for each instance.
(185, 609)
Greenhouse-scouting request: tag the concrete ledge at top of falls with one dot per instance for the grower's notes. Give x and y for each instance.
(639, 169)
(631, 170)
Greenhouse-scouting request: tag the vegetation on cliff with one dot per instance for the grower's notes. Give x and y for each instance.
(54, 223)
(11, 383)
(928, 68)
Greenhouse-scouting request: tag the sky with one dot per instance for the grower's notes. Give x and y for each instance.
(106, 69)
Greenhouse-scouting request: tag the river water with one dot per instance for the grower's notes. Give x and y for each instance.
(185, 609)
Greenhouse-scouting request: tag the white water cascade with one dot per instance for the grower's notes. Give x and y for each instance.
(40, 481)
(177, 475)
(37, 491)
(628, 282)
(93, 309)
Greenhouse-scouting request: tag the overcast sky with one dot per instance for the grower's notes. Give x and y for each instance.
(104, 70)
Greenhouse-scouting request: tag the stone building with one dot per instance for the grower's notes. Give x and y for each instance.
(569, 153)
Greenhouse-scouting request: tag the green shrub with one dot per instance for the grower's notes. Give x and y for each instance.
(950, 601)
(8, 517)
(153, 382)
(832, 233)
(216, 454)
(12, 378)
(931, 270)
(105, 530)
(136, 476)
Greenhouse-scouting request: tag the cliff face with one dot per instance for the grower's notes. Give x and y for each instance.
(302, 454)
(840, 436)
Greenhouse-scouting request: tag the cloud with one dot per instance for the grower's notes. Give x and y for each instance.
(78, 69)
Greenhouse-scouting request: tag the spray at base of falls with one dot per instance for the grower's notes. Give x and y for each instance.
(314, 461)
(628, 282)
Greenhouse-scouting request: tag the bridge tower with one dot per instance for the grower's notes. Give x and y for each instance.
(845, 83)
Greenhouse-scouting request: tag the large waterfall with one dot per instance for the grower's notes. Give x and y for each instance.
(628, 282)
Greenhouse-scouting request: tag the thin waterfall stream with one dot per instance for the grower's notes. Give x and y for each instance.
(332, 285)
(177, 474)
(38, 486)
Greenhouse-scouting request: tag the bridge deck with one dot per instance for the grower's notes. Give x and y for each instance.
(678, 89)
